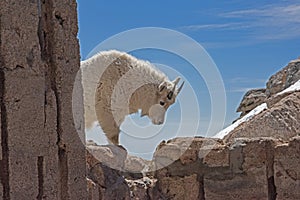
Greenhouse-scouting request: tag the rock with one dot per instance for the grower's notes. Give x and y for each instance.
(257, 168)
(276, 83)
(247, 175)
(180, 188)
(183, 150)
(109, 183)
(276, 98)
(109, 155)
(92, 189)
(284, 78)
(218, 156)
(136, 167)
(251, 100)
(42, 155)
(287, 170)
(168, 152)
(280, 121)
(142, 188)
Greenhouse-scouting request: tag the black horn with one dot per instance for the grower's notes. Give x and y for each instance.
(180, 87)
(175, 82)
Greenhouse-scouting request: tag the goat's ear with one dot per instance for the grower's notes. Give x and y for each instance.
(176, 80)
(162, 86)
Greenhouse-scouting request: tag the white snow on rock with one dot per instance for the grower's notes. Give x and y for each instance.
(294, 87)
(247, 117)
(255, 111)
(296, 60)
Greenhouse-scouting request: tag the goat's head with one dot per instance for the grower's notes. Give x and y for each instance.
(167, 92)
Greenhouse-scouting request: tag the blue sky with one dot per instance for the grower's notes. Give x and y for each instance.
(247, 40)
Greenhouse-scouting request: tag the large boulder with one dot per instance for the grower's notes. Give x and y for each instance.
(280, 120)
(251, 100)
(276, 83)
(284, 78)
(104, 178)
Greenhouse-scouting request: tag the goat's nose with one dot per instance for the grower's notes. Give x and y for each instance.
(160, 122)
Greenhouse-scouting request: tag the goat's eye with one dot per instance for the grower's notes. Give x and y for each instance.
(162, 103)
(170, 95)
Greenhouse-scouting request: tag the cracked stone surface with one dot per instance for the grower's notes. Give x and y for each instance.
(39, 57)
(286, 170)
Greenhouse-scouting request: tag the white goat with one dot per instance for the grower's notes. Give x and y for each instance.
(116, 84)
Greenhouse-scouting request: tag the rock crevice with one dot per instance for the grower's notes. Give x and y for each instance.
(39, 143)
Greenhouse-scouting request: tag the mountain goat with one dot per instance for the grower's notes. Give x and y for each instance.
(116, 84)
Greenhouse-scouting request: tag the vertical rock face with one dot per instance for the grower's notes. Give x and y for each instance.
(287, 171)
(39, 58)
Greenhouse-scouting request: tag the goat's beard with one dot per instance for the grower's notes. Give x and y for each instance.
(157, 114)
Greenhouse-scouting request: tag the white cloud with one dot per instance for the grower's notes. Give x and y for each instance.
(227, 26)
(270, 22)
(239, 90)
(282, 12)
(244, 84)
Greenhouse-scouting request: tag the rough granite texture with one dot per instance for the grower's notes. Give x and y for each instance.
(280, 121)
(106, 182)
(257, 168)
(287, 171)
(283, 78)
(251, 99)
(39, 58)
(276, 83)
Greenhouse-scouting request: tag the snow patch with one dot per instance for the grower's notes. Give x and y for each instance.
(247, 117)
(292, 88)
(255, 111)
(295, 61)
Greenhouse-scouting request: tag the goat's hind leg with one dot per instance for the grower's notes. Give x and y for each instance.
(113, 136)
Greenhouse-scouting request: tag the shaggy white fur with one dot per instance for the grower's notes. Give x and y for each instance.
(116, 84)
